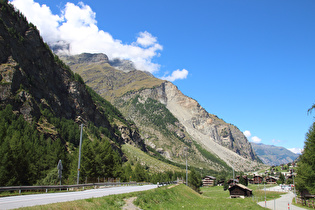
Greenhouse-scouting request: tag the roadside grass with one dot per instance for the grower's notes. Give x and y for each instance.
(107, 202)
(182, 197)
(259, 192)
(171, 197)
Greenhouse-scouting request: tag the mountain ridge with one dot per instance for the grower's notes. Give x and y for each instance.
(273, 155)
(122, 87)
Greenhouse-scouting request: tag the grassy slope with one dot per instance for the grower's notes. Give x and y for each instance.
(134, 154)
(169, 197)
(115, 82)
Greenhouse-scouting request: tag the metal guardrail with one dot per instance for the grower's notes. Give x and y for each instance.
(46, 187)
(166, 183)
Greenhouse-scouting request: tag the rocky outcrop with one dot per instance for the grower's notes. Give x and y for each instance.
(215, 135)
(32, 78)
(86, 58)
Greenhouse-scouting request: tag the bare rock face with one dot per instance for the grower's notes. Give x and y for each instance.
(215, 135)
(123, 65)
(132, 136)
(86, 58)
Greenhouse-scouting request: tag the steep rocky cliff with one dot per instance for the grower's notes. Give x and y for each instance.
(168, 120)
(215, 135)
(32, 79)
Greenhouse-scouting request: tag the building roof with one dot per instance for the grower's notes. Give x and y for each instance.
(211, 177)
(241, 186)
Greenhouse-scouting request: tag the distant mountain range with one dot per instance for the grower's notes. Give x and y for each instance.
(273, 155)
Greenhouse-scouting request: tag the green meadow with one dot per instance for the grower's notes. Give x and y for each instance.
(171, 197)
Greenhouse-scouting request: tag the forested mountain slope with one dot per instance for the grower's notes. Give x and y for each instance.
(168, 120)
(42, 105)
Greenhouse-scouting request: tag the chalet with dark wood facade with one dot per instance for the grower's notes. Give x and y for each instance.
(208, 181)
(258, 179)
(238, 190)
(271, 180)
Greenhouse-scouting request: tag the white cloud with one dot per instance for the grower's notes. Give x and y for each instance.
(177, 74)
(146, 39)
(77, 29)
(247, 134)
(255, 139)
(41, 16)
(296, 150)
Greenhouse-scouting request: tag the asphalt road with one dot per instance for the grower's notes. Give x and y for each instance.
(285, 202)
(47, 198)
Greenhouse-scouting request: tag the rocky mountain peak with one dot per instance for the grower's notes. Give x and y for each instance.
(86, 58)
(123, 65)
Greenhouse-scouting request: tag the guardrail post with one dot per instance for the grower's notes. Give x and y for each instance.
(46, 190)
(19, 191)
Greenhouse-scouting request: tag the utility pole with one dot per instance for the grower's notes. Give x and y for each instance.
(233, 177)
(79, 154)
(294, 189)
(265, 196)
(185, 148)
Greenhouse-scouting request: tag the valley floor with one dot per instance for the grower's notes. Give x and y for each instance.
(174, 197)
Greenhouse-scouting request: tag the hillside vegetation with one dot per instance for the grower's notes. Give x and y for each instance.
(42, 105)
(169, 197)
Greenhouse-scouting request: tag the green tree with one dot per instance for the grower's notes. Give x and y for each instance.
(139, 173)
(225, 185)
(127, 174)
(306, 166)
(281, 179)
(88, 163)
(242, 180)
(194, 180)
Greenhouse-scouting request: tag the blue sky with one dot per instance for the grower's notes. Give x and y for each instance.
(251, 63)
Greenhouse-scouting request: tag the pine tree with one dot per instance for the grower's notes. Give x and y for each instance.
(127, 173)
(139, 173)
(88, 163)
(194, 180)
(306, 166)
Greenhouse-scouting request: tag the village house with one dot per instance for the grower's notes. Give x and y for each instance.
(251, 181)
(208, 181)
(271, 180)
(238, 190)
(258, 179)
(220, 182)
(232, 182)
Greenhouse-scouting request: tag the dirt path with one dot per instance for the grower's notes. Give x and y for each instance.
(129, 204)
